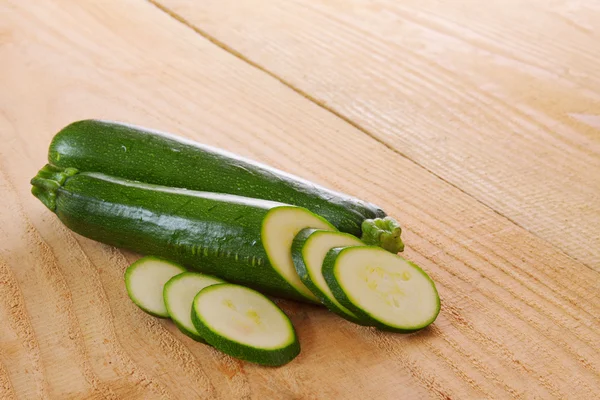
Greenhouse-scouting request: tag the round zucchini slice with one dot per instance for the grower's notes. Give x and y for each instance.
(179, 293)
(245, 324)
(145, 279)
(376, 285)
(308, 252)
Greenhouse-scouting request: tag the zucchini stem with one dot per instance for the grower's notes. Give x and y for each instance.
(47, 181)
(383, 232)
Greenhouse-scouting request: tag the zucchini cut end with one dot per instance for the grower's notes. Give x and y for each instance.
(280, 227)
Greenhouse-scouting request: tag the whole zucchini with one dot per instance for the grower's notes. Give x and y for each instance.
(143, 155)
(242, 240)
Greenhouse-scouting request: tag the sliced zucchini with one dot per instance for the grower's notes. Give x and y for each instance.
(280, 227)
(381, 287)
(245, 324)
(240, 239)
(178, 295)
(308, 252)
(145, 279)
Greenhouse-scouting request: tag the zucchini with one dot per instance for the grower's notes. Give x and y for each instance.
(244, 324)
(179, 293)
(139, 154)
(238, 239)
(381, 287)
(144, 281)
(308, 252)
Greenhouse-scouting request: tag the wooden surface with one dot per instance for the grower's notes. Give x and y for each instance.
(500, 99)
(477, 126)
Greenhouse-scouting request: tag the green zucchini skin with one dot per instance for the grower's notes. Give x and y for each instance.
(136, 153)
(189, 334)
(216, 234)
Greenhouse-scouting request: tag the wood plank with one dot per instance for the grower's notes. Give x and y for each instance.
(499, 98)
(519, 318)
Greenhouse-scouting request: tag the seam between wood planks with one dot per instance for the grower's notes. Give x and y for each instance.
(338, 114)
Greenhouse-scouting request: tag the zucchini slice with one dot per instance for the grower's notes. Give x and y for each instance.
(394, 294)
(245, 324)
(145, 279)
(280, 227)
(308, 252)
(179, 293)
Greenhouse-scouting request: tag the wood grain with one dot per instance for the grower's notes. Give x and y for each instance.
(500, 98)
(519, 318)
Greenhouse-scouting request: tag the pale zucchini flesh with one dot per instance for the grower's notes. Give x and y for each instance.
(244, 323)
(308, 252)
(145, 280)
(179, 293)
(379, 286)
(280, 227)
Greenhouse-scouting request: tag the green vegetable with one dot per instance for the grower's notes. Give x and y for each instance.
(179, 293)
(245, 324)
(139, 154)
(145, 279)
(381, 287)
(238, 239)
(308, 252)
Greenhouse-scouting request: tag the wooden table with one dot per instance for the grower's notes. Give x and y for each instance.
(474, 123)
